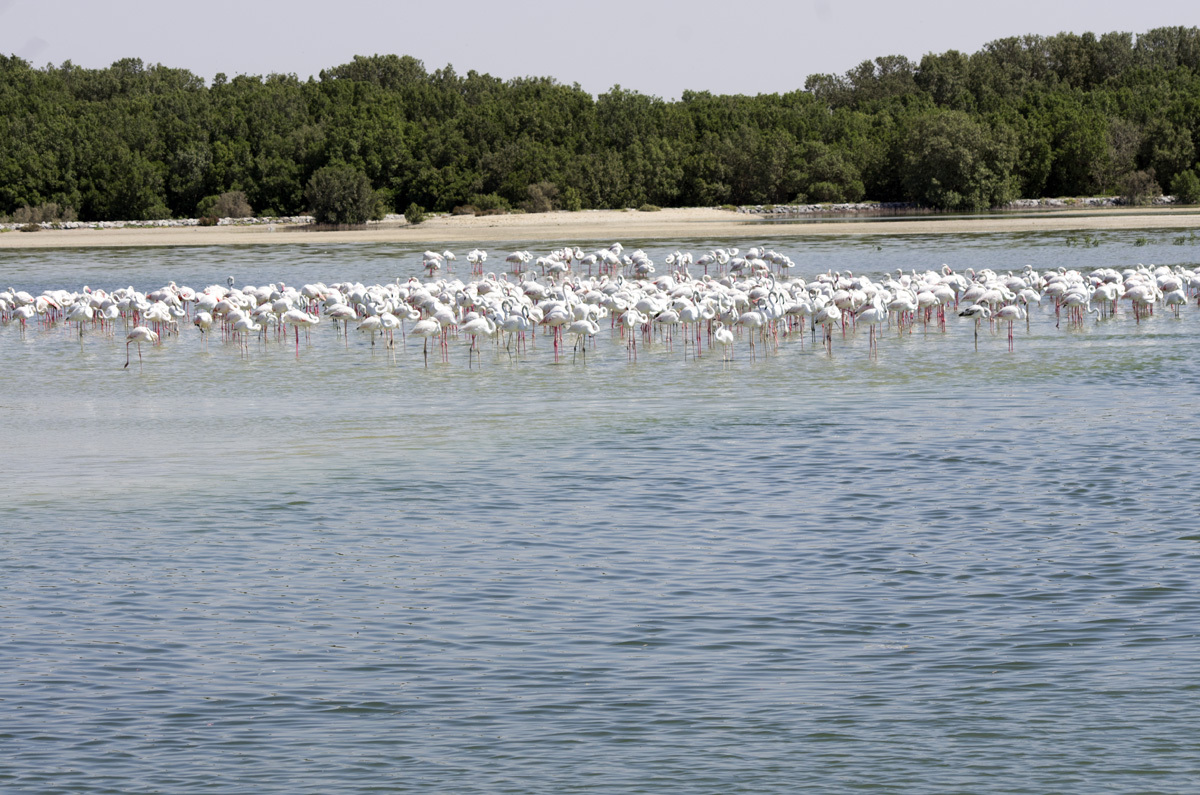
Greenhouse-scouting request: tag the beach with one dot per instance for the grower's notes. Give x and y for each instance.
(605, 225)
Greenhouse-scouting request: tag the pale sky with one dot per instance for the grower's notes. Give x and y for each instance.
(650, 46)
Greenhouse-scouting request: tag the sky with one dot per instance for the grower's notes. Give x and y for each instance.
(653, 47)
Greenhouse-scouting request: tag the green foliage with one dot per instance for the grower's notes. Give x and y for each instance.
(649, 208)
(341, 195)
(231, 204)
(827, 174)
(571, 200)
(383, 204)
(543, 198)
(489, 202)
(1062, 115)
(1140, 188)
(956, 163)
(1186, 187)
(49, 212)
(414, 213)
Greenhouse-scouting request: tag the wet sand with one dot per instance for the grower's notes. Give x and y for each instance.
(612, 225)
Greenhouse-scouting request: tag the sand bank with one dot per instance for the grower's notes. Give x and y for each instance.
(604, 226)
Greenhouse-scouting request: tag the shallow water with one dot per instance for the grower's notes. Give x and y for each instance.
(941, 570)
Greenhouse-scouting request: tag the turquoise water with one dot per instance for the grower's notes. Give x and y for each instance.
(941, 570)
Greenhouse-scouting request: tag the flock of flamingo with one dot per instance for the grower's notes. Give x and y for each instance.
(710, 300)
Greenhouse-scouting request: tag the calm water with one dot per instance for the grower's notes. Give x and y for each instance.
(940, 571)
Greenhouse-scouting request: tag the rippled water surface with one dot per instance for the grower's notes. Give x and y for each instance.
(944, 570)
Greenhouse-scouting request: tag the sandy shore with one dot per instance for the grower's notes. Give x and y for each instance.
(605, 226)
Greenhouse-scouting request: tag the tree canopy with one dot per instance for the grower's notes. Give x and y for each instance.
(1026, 116)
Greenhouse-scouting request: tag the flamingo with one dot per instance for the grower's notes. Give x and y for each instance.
(390, 323)
(976, 312)
(429, 327)
(475, 327)
(81, 311)
(372, 324)
(581, 330)
(203, 321)
(24, 313)
(873, 315)
(628, 321)
(297, 318)
(753, 321)
(139, 335)
(516, 323)
(827, 317)
(1174, 299)
(1010, 313)
(243, 328)
(725, 337)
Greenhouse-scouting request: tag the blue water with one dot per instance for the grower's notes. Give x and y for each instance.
(943, 570)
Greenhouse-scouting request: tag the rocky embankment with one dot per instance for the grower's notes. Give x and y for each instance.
(867, 208)
(179, 222)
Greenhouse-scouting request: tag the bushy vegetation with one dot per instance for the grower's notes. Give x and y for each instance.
(1140, 188)
(1186, 187)
(1032, 116)
(490, 203)
(543, 198)
(50, 212)
(414, 213)
(341, 195)
(231, 204)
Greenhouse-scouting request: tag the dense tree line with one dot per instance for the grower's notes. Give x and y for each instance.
(1065, 115)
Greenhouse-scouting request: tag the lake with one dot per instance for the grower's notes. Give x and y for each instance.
(936, 570)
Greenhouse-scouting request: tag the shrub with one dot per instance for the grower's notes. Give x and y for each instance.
(484, 202)
(31, 228)
(208, 220)
(1186, 187)
(231, 204)
(384, 202)
(825, 192)
(571, 200)
(415, 214)
(464, 209)
(543, 198)
(1139, 187)
(341, 195)
(649, 208)
(49, 212)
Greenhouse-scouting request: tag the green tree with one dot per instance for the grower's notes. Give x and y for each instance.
(946, 78)
(1139, 187)
(341, 195)
(957, 163)
(1171, 150)
(414, 213)
(1186, 187)
(231, 204)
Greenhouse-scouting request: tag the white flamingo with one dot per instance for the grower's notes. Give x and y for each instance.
(139, 335)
